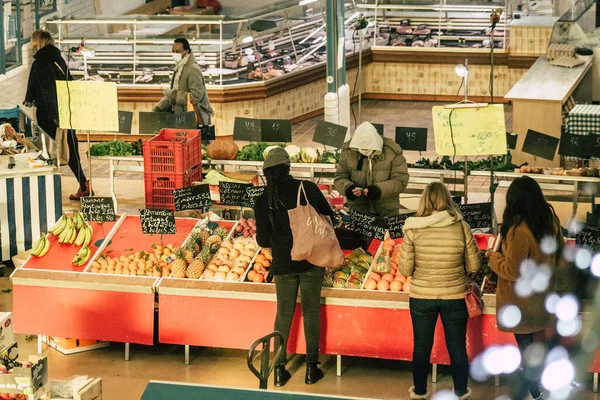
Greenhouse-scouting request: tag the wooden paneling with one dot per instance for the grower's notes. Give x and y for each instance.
(529, 40)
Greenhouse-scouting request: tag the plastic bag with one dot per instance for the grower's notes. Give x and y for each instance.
(67, 388)
(381, 264)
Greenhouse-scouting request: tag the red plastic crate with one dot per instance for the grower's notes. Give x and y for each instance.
(160, 186)
(173, 151)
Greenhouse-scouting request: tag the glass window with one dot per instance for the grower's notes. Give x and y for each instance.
(10, 25)
(43, 8)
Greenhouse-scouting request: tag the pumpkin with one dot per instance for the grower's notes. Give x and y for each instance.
(222, 150)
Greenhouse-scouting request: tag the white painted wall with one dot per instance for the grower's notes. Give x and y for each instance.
(119, 7)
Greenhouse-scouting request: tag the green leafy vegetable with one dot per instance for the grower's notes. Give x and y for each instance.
(116, 148)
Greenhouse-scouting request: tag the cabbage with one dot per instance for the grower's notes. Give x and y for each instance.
(309, 155)
(268, 149)
(294, 152)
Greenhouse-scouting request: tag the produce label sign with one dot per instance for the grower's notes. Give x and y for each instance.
(478, 215)
(158, 221)
(330, 134)
(125, 121)
(87, 105)
(192, 198)
(367, 224)
(379, 127)
(396, 224)
(592, 145)
(572, 145)
(98, 209)
(589, 238)
(511, 141)
(247, 129)
(252, 193)
(411, 139)
(185, 120)
(152, 122)
(207, 132)
(540, 145)
(233, 193)
(475, 131)
(276, 130)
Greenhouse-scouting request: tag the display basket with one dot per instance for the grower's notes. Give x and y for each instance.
(160, 186)
(173, 151)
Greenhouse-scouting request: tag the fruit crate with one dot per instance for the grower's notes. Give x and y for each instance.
(160, 186)
(173, 151)
(397, 241)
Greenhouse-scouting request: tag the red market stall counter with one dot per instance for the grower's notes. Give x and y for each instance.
(84, 305)
(354, 322)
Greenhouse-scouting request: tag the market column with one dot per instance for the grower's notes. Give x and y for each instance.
(337, 99)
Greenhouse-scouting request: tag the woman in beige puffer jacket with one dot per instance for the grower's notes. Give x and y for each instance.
(437, 252)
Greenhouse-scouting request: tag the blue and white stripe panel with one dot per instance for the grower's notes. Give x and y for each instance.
(28, 206)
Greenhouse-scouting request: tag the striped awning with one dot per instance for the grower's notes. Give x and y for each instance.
(28, 205)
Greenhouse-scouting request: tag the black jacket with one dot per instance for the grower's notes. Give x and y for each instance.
(278, 236)
(47, 68)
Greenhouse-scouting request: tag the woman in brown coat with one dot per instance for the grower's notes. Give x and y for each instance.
(527, 219)
(437, 252)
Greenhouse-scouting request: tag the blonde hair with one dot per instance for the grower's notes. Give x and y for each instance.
(436, 197)
(40, 39)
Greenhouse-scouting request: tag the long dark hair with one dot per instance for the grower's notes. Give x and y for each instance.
(526, 203)
(274, 175)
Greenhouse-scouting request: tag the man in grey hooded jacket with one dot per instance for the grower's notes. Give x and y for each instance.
(372, 172)
(188, 78)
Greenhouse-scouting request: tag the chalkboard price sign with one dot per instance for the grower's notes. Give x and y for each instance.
(233, 193)
(478, 215)
(276, 130)
(192, 198)
(369, 225)
(412, 139)
(540, 145)
(125, 121)
(379, 127)
(252, 193)
(457, 200)
(572, 145)
(589, 238)
(511, 141)
(592, 145)
(98, 209)
(152, 122)
(247, 129)
(330, 134)
(207, 132)
(185, 120)
(158, 221)
(396, 223)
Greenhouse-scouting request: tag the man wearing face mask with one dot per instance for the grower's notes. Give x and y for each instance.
(186, 79)
(372, 172)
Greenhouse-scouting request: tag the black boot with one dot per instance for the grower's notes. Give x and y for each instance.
(313, 373)
(282, 375)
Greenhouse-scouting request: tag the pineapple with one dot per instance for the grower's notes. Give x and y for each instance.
(204, 235)
(205, 254)
(214, 242)
(195, 242)
(179, 266)
(221, 232)
(195, 268)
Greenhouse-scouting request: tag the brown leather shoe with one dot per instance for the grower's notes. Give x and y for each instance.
(77, 196)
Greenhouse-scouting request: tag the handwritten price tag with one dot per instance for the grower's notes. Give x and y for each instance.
(247, 129)
(233, 193)
(411, 139)
(158, 221)
(395, 224)
(572, 146)
(98, 209)
(540, 145)
(276, 130)
(192, 198)
(367, 224)
(478, 215)
(330, 134)
(253, 193)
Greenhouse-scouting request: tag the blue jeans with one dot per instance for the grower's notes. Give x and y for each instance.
(286, 287)
(424, 314)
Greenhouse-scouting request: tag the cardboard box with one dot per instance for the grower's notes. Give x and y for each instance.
(11, 352)
(28, 381)
(7, 336)
(70, 345)
(91, 391)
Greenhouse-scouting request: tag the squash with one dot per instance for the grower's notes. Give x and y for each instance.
(222, 150)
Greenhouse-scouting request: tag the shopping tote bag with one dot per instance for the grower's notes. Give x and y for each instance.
(313, 235)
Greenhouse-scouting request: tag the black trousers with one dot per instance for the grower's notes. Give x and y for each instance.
(50, 127)
(310, 284)
(424, 314)
(531, 375)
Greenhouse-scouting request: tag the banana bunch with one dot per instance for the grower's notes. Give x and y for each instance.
(84, 237)
(41, 246)
(82, 256)
(78, 220)
(69, 234)
(60, 226)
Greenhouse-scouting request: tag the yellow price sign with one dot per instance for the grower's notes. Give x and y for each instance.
(88, 105)
(469, 131)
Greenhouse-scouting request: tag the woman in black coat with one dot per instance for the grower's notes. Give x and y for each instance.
(49, 67)
(273, 231)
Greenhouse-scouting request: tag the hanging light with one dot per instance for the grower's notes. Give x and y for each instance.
(461, 70)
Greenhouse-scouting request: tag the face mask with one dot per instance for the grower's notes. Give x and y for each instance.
(176, 57)
(365, 152)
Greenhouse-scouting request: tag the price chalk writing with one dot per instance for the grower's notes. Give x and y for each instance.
(98, 209)
(367, 224)
(276, 130)
(192, 198)
(253, 193)
(233, 193)
(158, 221)
(572, 145)
(540, 145)
(87, 105)
(185, 120)
(412, 139)
(152, 122)
(592, 145)
(125, 121)
(247, 129)
(395, 224)
(589, 238)
(330, 134)
(477, 215)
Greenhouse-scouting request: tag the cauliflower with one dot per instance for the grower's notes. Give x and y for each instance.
(309, 155)
(294, 152)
